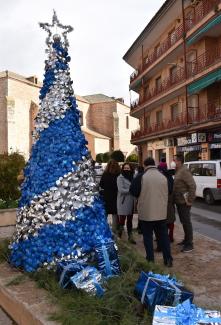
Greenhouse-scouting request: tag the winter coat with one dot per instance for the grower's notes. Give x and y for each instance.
(108, 184)
(171, 217)
(184, 183)
(153, 199)
(125, 201)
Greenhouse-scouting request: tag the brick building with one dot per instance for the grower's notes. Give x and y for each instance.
(177, 62)
(105, 121)
(111, 117)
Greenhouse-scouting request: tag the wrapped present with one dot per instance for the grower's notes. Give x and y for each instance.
(185, 314)
(66, 269)
(89, 280)
(156, 289)
(107, 259)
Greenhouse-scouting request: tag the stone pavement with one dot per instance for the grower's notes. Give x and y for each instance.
(200, 270)
(4, 319)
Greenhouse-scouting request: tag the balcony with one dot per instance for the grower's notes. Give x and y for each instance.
(199, 12)
(159, 51)
(165, 125)
(168, 83)
(209, 112)
(204, 61)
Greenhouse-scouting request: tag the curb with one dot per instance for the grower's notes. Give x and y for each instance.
(24, 303)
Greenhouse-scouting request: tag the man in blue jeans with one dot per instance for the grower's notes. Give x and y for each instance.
(152, 211)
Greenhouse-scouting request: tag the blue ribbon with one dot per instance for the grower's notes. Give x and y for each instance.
(65, 269)
(184, 314)
(106, 261)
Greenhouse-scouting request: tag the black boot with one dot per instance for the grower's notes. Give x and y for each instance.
(120, 230)
(131, 239)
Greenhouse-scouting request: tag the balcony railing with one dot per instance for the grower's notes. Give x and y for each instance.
(204, 61)
(159, 51)
(209, 112)
(173, 80)
(199, 12)
(155, 128)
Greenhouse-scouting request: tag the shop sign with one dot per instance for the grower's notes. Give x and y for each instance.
(189, 148)
(215, 146)
(214, 137)
(182, 141)
(201, 137)
(192, 139)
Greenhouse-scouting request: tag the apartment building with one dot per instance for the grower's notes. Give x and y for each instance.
(177, 74)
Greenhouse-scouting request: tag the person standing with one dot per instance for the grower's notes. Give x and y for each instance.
(125, 201)
(170, 207)
(184, 192)
(152, 211)
(108, 185)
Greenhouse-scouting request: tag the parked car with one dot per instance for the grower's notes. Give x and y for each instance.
(207, 175)
(98, 169)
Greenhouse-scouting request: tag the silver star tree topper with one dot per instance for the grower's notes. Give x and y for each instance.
(56, 25)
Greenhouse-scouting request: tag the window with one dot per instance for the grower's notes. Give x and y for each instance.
(81, 118)
(173, 74)
(127, 122)
(193, 107)
(146, 91)
(159, 116)
(174, 111)
(172, 36)
(196, 169)
(157, 50)
(192, 63)
(147, 122)
(158, 83)
(209, 170)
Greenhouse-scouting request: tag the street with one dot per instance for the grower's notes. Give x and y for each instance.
(206, 219)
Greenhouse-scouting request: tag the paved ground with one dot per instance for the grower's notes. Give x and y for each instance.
(4, 319)
(200, 270)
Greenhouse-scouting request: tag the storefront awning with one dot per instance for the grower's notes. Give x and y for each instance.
(204, 82)
(211, 24)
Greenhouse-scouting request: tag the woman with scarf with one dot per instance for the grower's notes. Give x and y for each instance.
(125, 201)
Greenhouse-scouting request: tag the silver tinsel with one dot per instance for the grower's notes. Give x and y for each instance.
(57, 205)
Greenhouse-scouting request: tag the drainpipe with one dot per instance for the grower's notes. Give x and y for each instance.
(185, 61)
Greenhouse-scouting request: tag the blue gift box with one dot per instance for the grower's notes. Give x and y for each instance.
(89, 280)
(156, 289)
(66, 269)
(107, 259)
(185, 314)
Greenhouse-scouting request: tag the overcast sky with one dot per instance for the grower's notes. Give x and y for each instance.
(103, 32)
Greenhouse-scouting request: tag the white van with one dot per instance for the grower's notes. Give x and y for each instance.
(207, 175)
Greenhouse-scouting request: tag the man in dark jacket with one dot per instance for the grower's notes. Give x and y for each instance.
(184, 191)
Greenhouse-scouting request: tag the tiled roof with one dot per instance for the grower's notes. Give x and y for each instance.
(81, 99)
(99, 98)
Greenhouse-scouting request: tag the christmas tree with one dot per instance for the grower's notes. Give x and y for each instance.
(60, 214)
